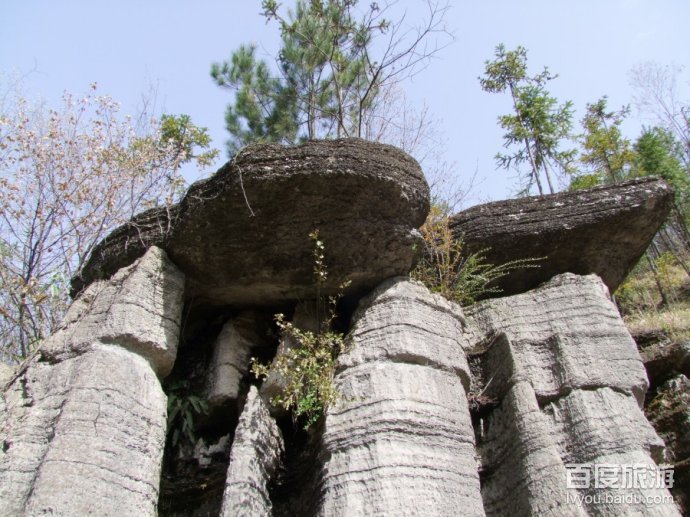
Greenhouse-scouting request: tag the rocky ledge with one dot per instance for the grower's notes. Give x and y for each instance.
(241, 236)
(443, 410)
(603, 231)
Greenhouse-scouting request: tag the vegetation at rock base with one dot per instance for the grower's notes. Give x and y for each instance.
(305, 361)
(69, 176)
(182, 408)
(446, 269)
(641, 305)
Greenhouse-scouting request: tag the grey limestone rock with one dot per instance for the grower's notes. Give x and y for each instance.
(139, 309)
(567, 334)
(663, 357)
(6, 373)
(241, 236)
(254, 457)
(603, 231)
(400, 442)
(669, 413)
(563, 385)
(85, 419)
(232, 353)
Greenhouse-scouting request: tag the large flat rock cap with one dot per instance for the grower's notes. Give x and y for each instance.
(604, 230)
(241, 236)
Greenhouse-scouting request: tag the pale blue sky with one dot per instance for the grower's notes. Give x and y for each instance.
(127, 46)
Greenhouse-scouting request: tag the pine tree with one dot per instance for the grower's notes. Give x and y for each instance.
(331, 71)
(538, 123)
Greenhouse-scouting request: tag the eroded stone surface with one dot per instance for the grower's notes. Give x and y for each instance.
(254, 457)
(241, 236)
(401, 442)
(139, 309)
(669, 413)
(85, 419)
(565, 335)
(603, 231)
(232, 353)
(84, 437)
(663, 357)
(565, 385)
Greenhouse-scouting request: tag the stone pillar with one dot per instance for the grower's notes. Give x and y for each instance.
(401, 439)
(232, 353)
(255, 456)
(567, 384)
(85, 420)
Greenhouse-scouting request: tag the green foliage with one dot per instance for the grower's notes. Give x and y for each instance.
(639, 300)
(307, 370)
(184, 137)
(660, 154)
(264, 108)
(605, 151)
(328, 74)
(182, 407)
(538, 123)
(447, 270)
(306, 360)
(585, 181)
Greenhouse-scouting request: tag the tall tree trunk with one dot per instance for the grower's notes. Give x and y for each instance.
(670, 243)
(528, 148)
(657, 279)
(548, 178)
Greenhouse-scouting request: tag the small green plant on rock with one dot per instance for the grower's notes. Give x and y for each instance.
(306, 360)
(182, 406)
(447, 270)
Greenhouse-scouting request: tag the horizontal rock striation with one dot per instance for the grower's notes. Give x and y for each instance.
(254, 458)
(669, 413)
(138, 308)
(241, 236)
(566, 386)
(604, 231)
(401, 441)
(85, 419)
(233, 350)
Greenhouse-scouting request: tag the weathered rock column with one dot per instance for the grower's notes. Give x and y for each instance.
(401, 440)
(232, 354)
(255, 456)
(85, 421)
(568, 385)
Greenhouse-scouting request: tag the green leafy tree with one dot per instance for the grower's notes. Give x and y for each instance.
(69, 176)
(538, 123)
(658, 153)
(656, 94)
(605, 151)
(334, 61)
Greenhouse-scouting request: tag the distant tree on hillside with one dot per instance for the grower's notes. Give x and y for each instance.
(656, 94)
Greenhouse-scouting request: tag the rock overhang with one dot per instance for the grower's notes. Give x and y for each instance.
(604, 231)
(241, 235)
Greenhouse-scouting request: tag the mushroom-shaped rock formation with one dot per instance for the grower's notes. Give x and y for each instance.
(603, 230)
(241, 236)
